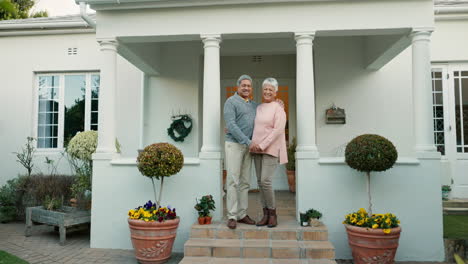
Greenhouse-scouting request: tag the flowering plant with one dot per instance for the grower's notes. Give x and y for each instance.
(375, 221)
(205, 205)
(83, 145)
(150, 212)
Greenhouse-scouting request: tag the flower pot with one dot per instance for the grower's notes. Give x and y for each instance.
(291, 180)
(201, 220)
(153, 241)
(205, 220)
(314, 222)
(372, 245)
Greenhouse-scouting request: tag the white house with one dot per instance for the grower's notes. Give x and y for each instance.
(149, 60)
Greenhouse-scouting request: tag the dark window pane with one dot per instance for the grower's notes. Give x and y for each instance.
(456, 73)
(464, 73)
(94, 127)
(55, 131)
(75, 88)
(94, 105)
(438, 85)
(440, 138)
(464, 114)
(54, 142)
(457, 112)
(94, 118)
(459, 149)
(438, 98)
(441, 149)
(437, 74)
(438, 111)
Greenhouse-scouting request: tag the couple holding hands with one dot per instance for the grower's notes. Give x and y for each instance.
(254, 131)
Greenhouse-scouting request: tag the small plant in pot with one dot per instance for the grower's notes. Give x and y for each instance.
(371, 236)
(204, 206)
(314, 217)
(153, 227)
(446, 189)
(291, 165)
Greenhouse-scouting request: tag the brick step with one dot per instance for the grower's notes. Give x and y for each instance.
(210, 260)
(455, 203)
(259, 248)
(284, 231)
(455, 211)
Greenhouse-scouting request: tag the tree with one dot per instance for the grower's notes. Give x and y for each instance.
(18, 9)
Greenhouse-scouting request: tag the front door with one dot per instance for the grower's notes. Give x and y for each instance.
(450, 105)
(284, 93)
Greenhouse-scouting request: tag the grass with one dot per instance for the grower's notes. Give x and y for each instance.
(456, 226)
(7, 258)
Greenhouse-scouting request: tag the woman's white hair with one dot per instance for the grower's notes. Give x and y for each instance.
(271, 81)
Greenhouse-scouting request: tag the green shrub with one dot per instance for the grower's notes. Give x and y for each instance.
(7, 214)
(160, 160)
(370, 153)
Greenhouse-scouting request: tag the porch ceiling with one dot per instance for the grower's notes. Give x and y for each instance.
(380, 46)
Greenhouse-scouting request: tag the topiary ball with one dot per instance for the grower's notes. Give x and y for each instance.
(83, 145)
(160, 160)
(370, 153)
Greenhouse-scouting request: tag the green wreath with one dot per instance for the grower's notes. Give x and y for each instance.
(179, 126)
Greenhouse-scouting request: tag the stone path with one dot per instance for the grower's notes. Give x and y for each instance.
(43, 247)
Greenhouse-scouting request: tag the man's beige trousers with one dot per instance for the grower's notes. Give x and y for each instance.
(238, 164)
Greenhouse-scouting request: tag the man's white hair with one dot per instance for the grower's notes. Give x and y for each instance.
(271, 81)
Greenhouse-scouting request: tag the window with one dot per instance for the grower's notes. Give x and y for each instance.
(461, 110)
(67, 104)
(438, 111)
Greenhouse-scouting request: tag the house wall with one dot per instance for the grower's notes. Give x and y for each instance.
(173, 92)
(449, 41)
(48, 53)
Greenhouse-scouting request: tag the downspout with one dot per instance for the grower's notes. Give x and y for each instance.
(85, 16)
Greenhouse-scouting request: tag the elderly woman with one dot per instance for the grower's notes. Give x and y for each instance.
(268, 147)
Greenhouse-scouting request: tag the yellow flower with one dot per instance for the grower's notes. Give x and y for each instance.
(360, 223)
(374, 226)
(387, 231)
(388, 220)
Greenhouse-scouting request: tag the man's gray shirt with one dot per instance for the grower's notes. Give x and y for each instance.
(239, 116)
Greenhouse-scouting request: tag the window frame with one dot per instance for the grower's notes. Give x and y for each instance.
(61, 100)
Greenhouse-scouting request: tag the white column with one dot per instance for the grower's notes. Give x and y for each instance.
(211, 95)
(422, 92)
(305, 93)
(106, 117)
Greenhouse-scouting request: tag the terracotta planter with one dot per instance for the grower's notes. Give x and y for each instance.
(291, 180)
(373, 245)
(206, 220)
(153, 241)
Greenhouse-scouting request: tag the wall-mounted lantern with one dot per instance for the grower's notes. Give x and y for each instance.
(335, 115)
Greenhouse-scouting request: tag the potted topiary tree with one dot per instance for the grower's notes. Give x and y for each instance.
(291, 165)
(371, 236)
(153, 228)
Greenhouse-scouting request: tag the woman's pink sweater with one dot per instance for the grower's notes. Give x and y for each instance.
(270, 123)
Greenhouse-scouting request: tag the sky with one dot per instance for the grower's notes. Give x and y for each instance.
(57, 7)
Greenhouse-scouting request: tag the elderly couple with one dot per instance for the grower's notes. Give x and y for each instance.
(253, 131)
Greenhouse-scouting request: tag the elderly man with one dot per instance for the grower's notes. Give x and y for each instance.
(239, 114)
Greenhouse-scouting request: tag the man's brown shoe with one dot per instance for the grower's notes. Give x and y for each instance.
(231, 223)
(246, 220)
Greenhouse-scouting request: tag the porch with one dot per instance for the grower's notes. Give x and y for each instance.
(342, 59)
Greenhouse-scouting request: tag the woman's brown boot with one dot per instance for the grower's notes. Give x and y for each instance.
(264, 220)
(272, 221)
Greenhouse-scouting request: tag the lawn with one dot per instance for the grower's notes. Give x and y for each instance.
(6, 258)
(456, 226)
